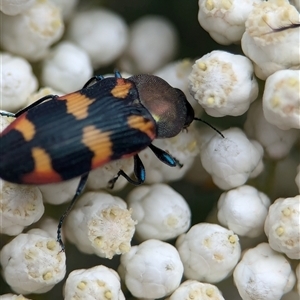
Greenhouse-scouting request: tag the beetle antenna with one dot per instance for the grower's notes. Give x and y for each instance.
(214, 128)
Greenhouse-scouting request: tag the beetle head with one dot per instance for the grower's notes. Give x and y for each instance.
(167, 105)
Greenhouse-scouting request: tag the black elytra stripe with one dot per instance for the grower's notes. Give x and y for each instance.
(130, 142)
(103, 88)
(15, 157)
(125, 140)
(100, 88)
(60, 134)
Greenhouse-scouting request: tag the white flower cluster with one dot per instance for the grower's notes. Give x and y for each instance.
(168, 250)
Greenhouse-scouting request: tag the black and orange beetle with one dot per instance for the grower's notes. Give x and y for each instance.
(61, 137)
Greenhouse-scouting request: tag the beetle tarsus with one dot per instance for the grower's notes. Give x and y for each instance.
(118, 74)
(165, 157)
(7, 114)
(92, 80)
(139, 173)
(79, 190)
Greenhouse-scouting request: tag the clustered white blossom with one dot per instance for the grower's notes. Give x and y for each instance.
(152, 43)
(281, 99)
(223, 83)
(225, 20)
(32, 262)
(100, 223)
(263, 273)
(281, 223)
(167, 250)
(173, 218)
(97, 283)
(31, 33)
(233, 159)
(60, 192)
(67, 7)
(101, 33)
(277, 143)
(209, 252)
(13, 8)
(67, 68)
(17, 82)
(193, 289)
(243, 210)
(270, 39)
(21, 206)
(151, 270)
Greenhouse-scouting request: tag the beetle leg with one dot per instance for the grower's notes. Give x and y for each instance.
(20, 112)
(118, 74)
(94, 78)
(165, 157)
(7, 114)
(48, 97)
(79, 189)
(139, 173)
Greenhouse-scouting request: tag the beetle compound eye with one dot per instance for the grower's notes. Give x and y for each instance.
(167, 105)
(190, 114)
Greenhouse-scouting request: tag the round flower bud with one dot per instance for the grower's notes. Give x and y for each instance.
(263, 273)
(60, 192)
(244, 210)
(67, 68)
(225, 20)
(223, 83)
(15, 7)
(31, 33)
(152, 43)
(100, 224)
(98, 282)
(151, 269)
(209, 252)
(21, 205)
(270, 30)
(101, 33)
(17, 82)
(281, 99)
(192, 289)
(233, 159)
(277, 143)
(173, 219)
(282, 226)
(33, 263)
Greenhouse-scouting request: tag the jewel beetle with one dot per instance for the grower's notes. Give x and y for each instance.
(61, 137)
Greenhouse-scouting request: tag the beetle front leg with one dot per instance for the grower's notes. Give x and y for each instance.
(78, 192)
(165, 157)
(139, 173)
(20, 112)
(7, 114)
(37, 102)
(93, 79)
